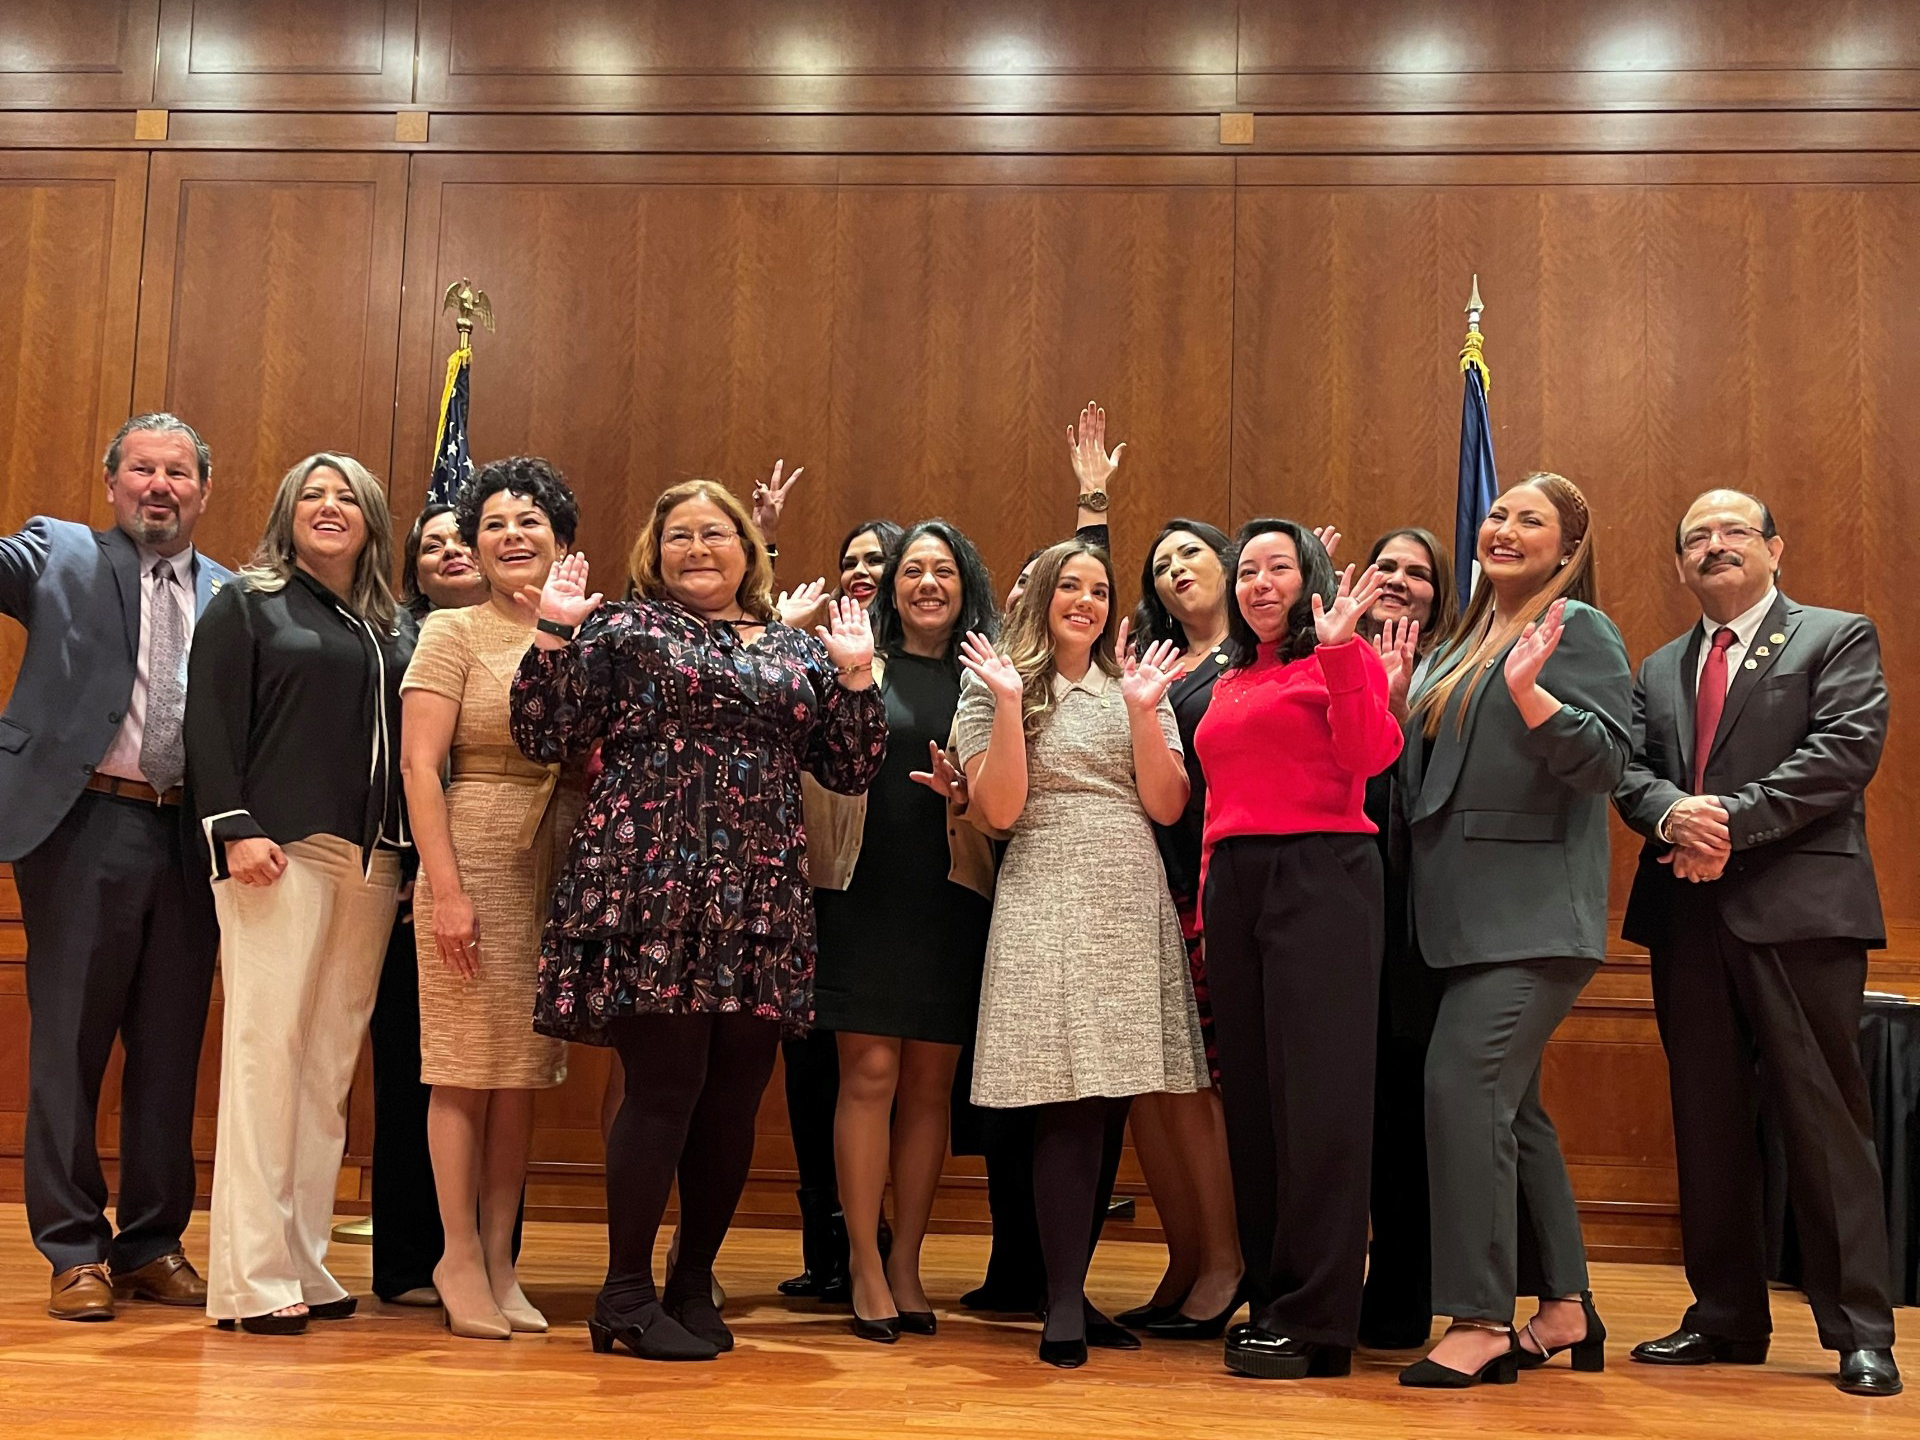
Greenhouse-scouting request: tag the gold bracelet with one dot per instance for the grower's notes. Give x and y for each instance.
(852, 669)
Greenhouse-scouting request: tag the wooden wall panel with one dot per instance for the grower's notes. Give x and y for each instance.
(271, 305)
(70, 228)
(77, 52)
(316, 52)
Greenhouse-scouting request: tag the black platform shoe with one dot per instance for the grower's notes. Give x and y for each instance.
(1264, 1355)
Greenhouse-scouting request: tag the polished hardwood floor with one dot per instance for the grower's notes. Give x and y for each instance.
(799, 1373)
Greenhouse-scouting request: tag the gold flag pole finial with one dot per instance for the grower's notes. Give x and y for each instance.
(466, 302)
(1471, 357)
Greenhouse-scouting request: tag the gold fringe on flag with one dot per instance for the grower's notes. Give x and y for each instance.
(460, 357)
(1470, 359)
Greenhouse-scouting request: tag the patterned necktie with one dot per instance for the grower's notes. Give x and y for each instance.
(1710, 700)
(163, 757)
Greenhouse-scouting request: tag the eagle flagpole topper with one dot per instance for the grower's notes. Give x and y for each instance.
(452, 464)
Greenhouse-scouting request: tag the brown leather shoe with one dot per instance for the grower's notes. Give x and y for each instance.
(170, 1280)
(82, 1293)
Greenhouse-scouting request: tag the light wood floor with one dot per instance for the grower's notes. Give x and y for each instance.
(799, 1373)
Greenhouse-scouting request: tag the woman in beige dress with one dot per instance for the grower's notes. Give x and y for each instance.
(488, 823)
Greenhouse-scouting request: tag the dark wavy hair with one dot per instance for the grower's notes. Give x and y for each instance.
(529, 477)
(1152, 621)
(412, 598)
(1316, 578)
(977, 608)
(888, 532)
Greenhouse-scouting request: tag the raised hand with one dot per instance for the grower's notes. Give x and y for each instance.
(847, 636)
(1087, 448)
(1398, 644)
(1531, 651)
(1146, 678)
(941, 778)
(564, 598)
(1327, 536)
(996, 672)
(1335, 625)
(804, 606)
(770, 498)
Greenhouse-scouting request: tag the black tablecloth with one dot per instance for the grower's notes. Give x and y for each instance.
(1890, 1054)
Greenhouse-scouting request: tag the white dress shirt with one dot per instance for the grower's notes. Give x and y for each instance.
(1745, 626)
(123, 756)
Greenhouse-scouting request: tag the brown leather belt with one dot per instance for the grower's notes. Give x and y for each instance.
(132, 790)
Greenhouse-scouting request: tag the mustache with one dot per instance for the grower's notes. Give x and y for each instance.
(1714, 559)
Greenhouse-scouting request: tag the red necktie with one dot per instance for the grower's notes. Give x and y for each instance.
(1709, 702)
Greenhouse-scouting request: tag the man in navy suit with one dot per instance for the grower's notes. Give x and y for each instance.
(1755, 735)
(119, 915)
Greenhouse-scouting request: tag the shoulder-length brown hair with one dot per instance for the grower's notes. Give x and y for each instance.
(755, 595)
(1460, 659)
(1444, 613)
(1027, 640)
(274, 560)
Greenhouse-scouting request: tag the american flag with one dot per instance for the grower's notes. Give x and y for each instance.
(452, 465)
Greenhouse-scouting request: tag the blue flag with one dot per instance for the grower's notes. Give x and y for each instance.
(1478, 482)
(452, 465)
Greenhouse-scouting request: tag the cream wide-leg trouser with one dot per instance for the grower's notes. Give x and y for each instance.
(299, 966)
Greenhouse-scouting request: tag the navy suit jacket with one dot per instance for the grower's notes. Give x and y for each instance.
(77, 592)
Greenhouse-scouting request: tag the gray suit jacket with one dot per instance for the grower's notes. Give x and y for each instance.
(77, 592)
(1798, 741)
(1509, 825)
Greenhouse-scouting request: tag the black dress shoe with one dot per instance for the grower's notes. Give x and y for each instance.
(1869, 1372)
(1266, 1356)
(1589, 1351)
(1142, 1316)
(700, 1317)
(649, 1333)
(1181, 1326)
(919, 1322)
(1502, 1369)
(1690, 1347)
(881, 1332)
(1067, 1354)
(1105, 1335)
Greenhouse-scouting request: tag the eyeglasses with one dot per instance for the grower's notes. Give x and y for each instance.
(714, 537)
(1732, 536)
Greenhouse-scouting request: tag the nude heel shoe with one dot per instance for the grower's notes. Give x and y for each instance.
(520, 1314)
(472, 1325)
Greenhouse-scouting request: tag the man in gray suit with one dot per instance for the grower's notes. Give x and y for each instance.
(1755, 735)
(119, 917)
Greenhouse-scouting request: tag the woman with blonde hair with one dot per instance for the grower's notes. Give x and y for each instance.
(681, 931)
(1086, 999)
(292, 735)
(1518, 734)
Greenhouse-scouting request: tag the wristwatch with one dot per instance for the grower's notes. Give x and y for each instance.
(1094, 500)
(554, 627)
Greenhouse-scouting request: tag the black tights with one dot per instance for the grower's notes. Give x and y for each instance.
(693, 1088)
(1069, 1140)
(813, 1091)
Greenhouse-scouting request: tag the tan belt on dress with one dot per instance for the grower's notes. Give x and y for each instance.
(504, 764)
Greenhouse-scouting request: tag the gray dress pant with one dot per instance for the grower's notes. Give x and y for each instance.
(1489, 1142)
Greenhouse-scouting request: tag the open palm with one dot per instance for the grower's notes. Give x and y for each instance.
(1532, 650)
(1335, 624)
(996, 672)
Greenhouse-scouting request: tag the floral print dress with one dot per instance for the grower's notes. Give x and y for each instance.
(685, 886)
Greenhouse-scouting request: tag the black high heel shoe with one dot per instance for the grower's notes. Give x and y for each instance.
(267, 1324)
(1589, 1351)
(1502, 1369)
(1066, 1354)
(1180, 1326)
(649, 1333)
(1142, 1316)
(881, 1332)
(919, 1322)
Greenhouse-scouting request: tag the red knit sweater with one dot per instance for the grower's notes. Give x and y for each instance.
(1288, 748)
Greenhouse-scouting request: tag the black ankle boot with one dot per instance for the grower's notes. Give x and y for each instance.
(823, 1250)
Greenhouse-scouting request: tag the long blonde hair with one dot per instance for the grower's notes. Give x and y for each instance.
(1576, 580)
(274, 560)
(1027, 640)
(755, 595)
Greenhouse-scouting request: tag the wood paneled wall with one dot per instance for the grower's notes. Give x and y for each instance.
(900, 243)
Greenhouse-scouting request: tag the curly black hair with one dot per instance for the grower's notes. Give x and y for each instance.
(1152, 621)
(977, 608)
(1316, 578)
(529, 477)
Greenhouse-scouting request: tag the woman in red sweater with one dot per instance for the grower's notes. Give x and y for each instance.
(1292, 905)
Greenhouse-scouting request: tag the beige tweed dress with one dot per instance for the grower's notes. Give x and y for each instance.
(511, 820)
(1087, 990)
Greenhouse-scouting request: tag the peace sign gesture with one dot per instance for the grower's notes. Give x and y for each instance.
(1351, 602)
(1145, 679)
(1087, 449)
(770, 498)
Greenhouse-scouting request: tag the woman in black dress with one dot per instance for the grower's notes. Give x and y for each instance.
(902, 945)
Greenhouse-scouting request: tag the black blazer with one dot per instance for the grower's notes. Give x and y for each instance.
(1798, 741)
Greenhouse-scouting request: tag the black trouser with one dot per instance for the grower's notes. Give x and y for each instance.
(693, 1086)
(121, 940)
(1397, 1306)
(812, 1078)
(1738, 1020)
(1293, 928)
(407, 1239)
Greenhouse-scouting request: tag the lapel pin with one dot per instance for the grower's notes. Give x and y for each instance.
(1762, 650)
(1777, 638)
(1753, 665)
(1219, 659)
